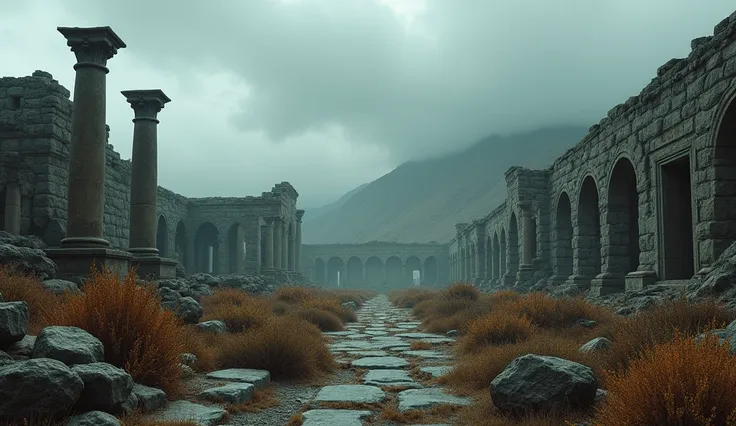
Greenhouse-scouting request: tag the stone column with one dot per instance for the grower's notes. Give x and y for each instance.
(527, 237)
(292, 250)
(298, 241)
(84, 245)
(285, 246)
(12, 208)
(269, 244)
(86, 189)
(144, 170)
(277, 241)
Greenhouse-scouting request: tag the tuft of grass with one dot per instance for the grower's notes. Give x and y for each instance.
(325, 320)
(557, 313)
(139, 419)
(296, 420)
(293, 295)
(496, 328)
(332, 305)
(680, 382)
(460, 290)
(419, 345)
(410, 297)
(136, 333)
(16, 287)
(262, 399)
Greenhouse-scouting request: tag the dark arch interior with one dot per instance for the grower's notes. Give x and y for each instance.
(563, 256)
(589, 230)
(623, 218)
(206, 245)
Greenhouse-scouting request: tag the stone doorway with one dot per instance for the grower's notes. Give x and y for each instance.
(676, 217)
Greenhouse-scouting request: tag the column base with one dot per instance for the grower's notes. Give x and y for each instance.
(557, 280)
(141, 252)
(75, 263)
(524, 275)
(154, 267)
(638, 280)
(83, 242)
(508, 279)
(581, 282)
(607, 283)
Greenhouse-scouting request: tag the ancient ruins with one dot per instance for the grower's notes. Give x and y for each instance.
(63, 182)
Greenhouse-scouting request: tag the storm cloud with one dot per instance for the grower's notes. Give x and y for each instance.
(329, 94)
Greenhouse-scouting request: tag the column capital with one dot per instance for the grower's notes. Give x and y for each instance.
(526, 208)
(146, 103)
(93, 46)
(299, 215)
(269, 221)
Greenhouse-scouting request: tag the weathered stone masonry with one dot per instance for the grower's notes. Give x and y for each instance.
(648, 195)
(35, 133)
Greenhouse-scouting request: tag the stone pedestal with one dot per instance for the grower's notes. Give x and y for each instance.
(557, 280)
(524, 275)
(154, 267)
(580, 281)
(75, 263)
(508, 279)
(607, 283)
(638, 280)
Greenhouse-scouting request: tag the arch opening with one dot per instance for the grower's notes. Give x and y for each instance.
(587, 245)
(622, 219)
(430, 271)
(413, 271)
(394, 272)
(335, 272)
(206, 246)
(374, 272)
(236, 248)
(563, 255)
(502, 267)
(354, 273)
(513, 246)
(497, 257)
(319, 271)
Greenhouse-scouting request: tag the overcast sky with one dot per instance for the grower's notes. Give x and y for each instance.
(329, 94)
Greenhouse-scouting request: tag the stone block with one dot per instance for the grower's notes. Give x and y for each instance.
(75, 263)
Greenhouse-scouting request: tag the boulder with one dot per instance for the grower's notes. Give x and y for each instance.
(13, 322)
(38, 387)
(212, 326)
(350, 305)
(22, 348)
(93, 418)
(59, 287)
(106, 387)
(70, 345)
(595, 345)
(181, 272)
(28, 261)
(28, 241)
(188, 359)
(189, 310)
(149, 399)
(543, 383)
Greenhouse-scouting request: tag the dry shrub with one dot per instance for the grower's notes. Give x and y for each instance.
(325, 320)
(279, 307)
(136, 333)
(293, 295)
(242, 318)
(474, 372)
(16, 287)
(551, 312)
(633, 335)
(679, 382)
(350, 295)
(419, 345)
(503, 296)
(482, 412)
(139, 419)
(262, 399)
(289, 348)
(296, 420)
(224, 298)
(202, 344)
(331, 305)
(496, 328)
(464, 291)
(410, 297)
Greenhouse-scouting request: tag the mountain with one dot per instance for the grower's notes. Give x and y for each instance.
(319, 211)
(420, 201)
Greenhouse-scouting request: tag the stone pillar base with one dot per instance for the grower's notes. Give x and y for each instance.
(75, 263)
(580, 281)
(557, 280)
(154, 267)
(524, 275)
(607, 283)
(508, 279)
(638, 280)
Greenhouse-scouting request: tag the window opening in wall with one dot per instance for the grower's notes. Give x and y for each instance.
(15, 102)
(677, 220)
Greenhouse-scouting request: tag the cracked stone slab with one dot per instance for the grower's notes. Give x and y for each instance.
(437, 370)
(258, 378)
(356, 345)
(426, 354)
(362, 394)
(358, 336)
(418, 335)
(381, 362)
(390, 378)
(376, 333)
(368, 353)
(185, 410)
(437, 340)
(422, 399)
(337, 333)
(234, 393)
(325, 417)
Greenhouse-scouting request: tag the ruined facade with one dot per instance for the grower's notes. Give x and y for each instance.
(377, 265)
(649, 195)
(217, 235)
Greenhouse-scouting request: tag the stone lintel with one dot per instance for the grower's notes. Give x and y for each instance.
(146, 103)
(92, 45)
(75, 263)
(638, 280)
(154, 267)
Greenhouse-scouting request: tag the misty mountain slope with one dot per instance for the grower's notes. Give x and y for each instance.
(422, 201)
(319, 211)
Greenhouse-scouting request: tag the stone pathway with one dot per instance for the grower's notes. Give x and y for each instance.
(381, 372)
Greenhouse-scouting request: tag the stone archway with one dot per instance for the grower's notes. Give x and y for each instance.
(491, 253)
(319, 271)
(236, 248)
(394, 272)
(206, 248)
(354, 274)
(586, 244)
(512, 265)
(412, 264)
(622, 220)
(430, 271)
(374, 276)
(497, 258)
(562, 258)
(180, 243)
(335, 272)
(502, 267)
(162, 237)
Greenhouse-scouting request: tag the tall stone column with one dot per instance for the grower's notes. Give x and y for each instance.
(84, 244)
(12, 208)
(298, 241)
(277, 241)
(525, 268)
(269, 244)
(146, 105)
(285, 246)
(292, 251)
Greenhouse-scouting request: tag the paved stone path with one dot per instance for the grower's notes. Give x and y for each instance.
(381, 371)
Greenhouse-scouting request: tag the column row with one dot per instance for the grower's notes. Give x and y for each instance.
(283, 247)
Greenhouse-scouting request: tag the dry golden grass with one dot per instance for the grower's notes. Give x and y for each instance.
(410, 297)
(557, 313)
(16, 287)
(419, 345)
(496, 328)
(679, 382)
(296, 420)
(482, 412)
(460, 290)
(434, 415)
(139, 419)
(332, 305)
(293, 295)
(136, 333)
(324, 320)
(289, 348)
(262, 399)
(631, 336)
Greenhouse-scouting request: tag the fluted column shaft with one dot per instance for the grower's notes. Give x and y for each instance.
(269, 244)
(298, 241)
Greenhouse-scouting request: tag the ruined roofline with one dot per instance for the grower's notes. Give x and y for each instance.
(285, 188)
(378, 243)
